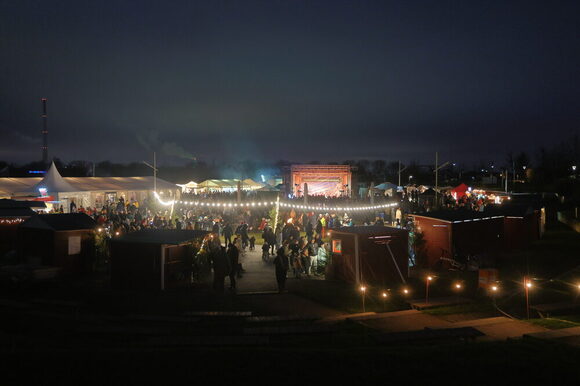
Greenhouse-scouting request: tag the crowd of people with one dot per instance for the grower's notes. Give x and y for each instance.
(304, 256)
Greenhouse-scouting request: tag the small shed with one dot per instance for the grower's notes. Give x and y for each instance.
(155, 259)
(61, 240)
(448, 233)
(370, 254)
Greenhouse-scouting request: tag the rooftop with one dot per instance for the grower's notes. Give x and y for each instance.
(368, 230)
(60, 222)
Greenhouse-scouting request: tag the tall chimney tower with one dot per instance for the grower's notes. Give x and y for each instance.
(44, 134)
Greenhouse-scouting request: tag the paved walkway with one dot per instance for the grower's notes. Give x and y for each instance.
(499, 328)
(259, 275)
(259, 291)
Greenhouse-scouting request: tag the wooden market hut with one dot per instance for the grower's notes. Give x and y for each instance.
(463, 232)
(369, 254)
(59, 240)
(155, 259)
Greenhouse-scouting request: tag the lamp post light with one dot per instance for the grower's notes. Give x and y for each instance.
(494, 290)
(384, 296)
(363, 291)
(527, 286)
(427, 281)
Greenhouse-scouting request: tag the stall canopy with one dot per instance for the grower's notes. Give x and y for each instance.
(459, 191)
(251, 184)
(188, 187)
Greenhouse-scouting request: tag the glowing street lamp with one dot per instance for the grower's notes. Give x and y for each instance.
(427, 281)
(363, 291)
(384, 296)
(527, 286)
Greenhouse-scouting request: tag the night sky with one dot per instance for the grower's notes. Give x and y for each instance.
(269, 80)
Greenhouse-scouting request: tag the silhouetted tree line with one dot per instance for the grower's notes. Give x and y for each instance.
(549, 169)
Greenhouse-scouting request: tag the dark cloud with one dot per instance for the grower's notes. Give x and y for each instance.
(328, 80)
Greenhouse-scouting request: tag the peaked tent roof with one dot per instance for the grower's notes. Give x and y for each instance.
(53, 182)
(190, 184)
(60, 222)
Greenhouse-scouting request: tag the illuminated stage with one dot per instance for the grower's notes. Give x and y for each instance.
(322, 180)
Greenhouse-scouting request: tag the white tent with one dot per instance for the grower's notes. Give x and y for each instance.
(53, 182)
(190, 186)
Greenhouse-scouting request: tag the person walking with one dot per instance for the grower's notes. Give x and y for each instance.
(281, 264)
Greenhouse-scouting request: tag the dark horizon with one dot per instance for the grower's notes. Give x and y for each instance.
(300, 81)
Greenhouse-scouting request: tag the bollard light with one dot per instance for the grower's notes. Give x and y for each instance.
(363, 290)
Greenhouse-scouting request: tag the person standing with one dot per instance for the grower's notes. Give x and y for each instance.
(228, 232)
(312, 252)
(281, 264)
(309, 230)
(233, 255)
(221, 268)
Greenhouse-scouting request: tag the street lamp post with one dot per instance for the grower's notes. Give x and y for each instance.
(401, 170)
(494, 288)
(154, 167)
(437, 167)
(429, 278)
(384, 296)
(527, 286)
(363, 291)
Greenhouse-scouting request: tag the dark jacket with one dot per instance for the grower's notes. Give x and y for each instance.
(281, 262)
(233, 256)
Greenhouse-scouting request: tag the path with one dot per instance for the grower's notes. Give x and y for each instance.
(259, 290)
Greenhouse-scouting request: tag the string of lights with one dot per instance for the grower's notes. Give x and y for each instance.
(11, 221)
(263, 204)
